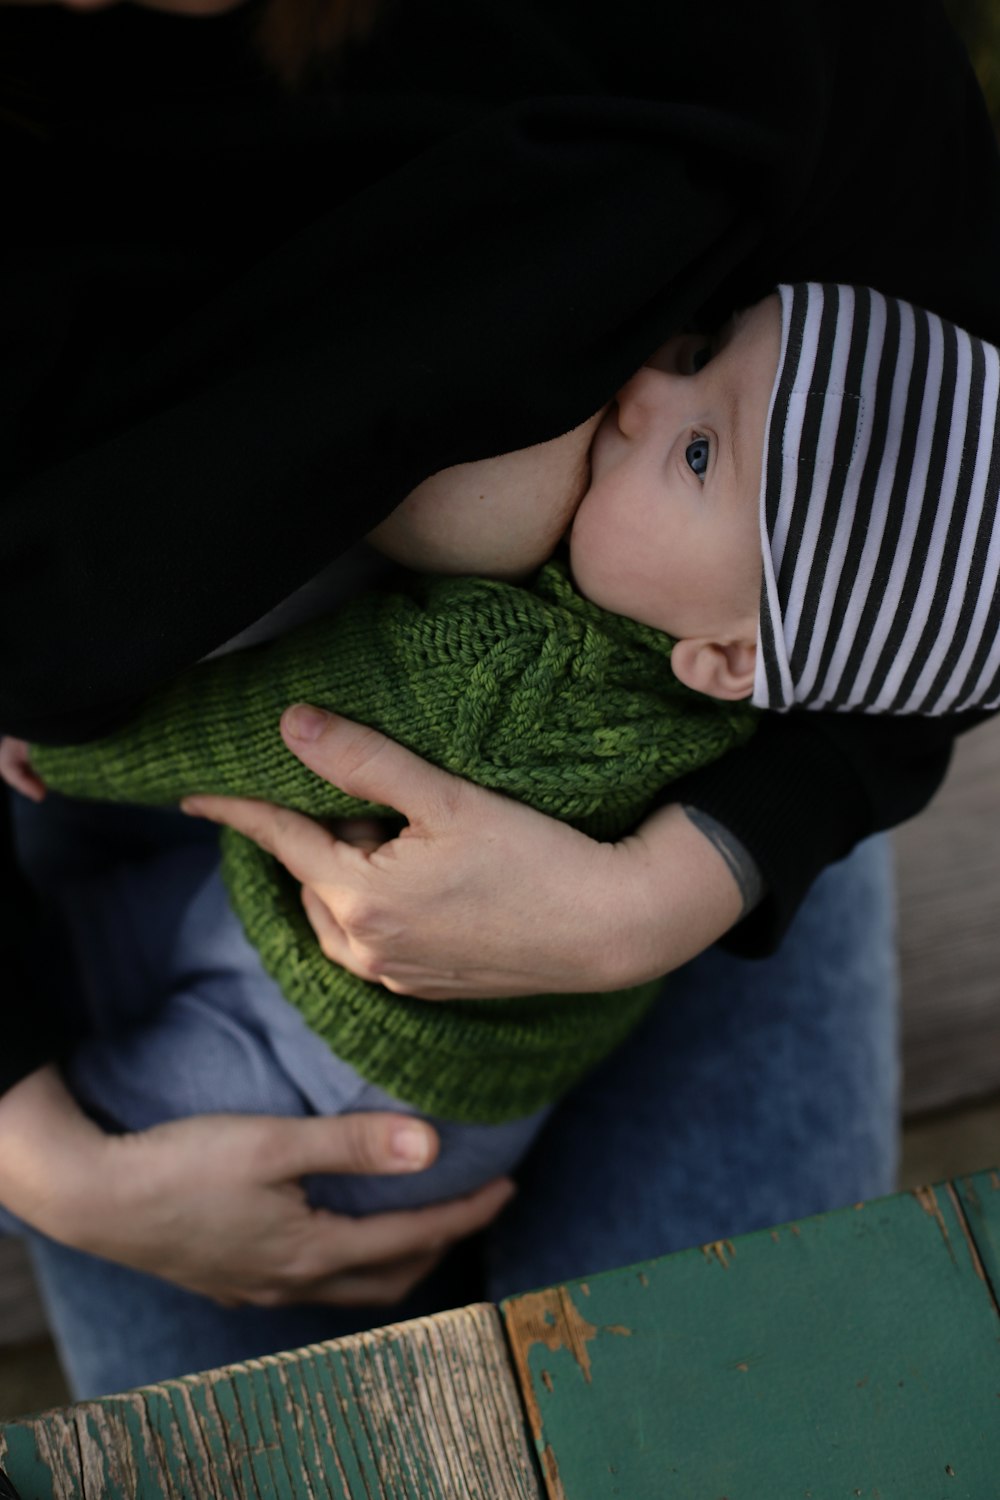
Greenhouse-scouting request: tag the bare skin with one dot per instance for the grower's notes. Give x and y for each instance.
(499, 517)
(215, 1203)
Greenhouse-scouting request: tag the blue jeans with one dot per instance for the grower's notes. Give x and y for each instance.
(753, 1093)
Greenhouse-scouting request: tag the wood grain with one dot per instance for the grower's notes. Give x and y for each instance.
(413, 1410)
(948, 863)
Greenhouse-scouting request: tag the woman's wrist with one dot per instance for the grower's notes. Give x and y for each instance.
(676, 893)
(52, 1157)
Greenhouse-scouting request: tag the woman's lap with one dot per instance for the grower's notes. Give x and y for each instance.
(754, 1092)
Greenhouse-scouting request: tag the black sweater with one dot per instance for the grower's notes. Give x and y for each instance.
(239, 324)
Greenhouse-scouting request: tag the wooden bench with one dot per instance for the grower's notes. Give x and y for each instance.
(850, 1354)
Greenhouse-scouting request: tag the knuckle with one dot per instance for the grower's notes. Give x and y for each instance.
(328, 946)
(367, 1143)
(367, 963)
(358, 750)
(360, 913)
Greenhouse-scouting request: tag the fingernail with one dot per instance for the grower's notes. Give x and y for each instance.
(305, 723)
(410, 1144)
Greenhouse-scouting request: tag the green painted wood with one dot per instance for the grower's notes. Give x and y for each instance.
(980, 1198)
(427, 1410)
(852, 1354)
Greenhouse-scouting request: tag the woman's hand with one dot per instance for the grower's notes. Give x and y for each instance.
(480, 896)
(214, 1203)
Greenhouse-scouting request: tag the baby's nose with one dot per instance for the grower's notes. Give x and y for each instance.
(644, 400)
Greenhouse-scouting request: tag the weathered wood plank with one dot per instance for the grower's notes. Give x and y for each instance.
(849, 1354)
(426, 1410)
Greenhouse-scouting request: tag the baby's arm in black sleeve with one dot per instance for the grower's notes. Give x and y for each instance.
(805, 790)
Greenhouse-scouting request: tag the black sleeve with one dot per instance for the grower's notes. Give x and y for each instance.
(806, 789)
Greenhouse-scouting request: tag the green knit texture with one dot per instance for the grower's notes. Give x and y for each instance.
(533, 692)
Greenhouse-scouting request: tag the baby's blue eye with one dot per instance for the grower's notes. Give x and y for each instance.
(696, 456)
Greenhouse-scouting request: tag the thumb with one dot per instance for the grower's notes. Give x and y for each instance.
(353, 1143)
(370, 766)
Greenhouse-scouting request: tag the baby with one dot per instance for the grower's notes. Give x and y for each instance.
(806, 503)
(839, 445)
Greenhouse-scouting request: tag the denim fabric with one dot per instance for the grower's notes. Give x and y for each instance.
(754, 1092)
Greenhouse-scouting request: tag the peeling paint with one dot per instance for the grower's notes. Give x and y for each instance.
(556, 1491)
(547, 1317)
(585, 1289)
(551, 1318)
(795, 1230)
(927, 1199)
(720, 1250)
(643, 1279)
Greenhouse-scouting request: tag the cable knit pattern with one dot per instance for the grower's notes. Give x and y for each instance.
(533, 692)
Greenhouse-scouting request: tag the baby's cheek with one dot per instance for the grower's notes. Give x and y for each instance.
(595, 556)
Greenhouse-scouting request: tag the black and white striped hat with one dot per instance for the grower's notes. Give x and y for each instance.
(878, 510)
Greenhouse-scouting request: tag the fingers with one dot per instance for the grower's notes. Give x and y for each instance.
(367, 765)
(332, 939)
(369, 1287)
(355, 1143)
(384, 1238)
(16, 769)
(305, 848)
(381, 1288)
(377, 1259)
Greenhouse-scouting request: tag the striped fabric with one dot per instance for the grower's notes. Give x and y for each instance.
(878, 510)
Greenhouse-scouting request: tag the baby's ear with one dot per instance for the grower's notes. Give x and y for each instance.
(720, 669)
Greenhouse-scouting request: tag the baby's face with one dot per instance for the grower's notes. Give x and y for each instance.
(668, 530)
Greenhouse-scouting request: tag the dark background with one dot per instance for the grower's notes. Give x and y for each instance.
(978, 23)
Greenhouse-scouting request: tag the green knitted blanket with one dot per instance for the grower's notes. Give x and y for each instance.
(531, 691)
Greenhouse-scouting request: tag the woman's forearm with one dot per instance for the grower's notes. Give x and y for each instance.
(683, 882)
(51, 1156)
